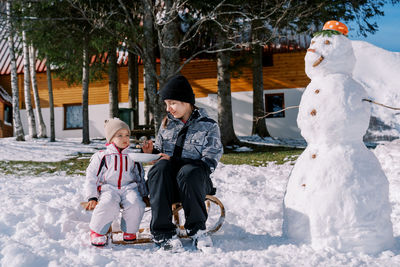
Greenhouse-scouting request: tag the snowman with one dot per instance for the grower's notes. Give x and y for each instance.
(337, 196)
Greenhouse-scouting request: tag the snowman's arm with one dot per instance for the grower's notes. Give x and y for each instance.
(380, 104)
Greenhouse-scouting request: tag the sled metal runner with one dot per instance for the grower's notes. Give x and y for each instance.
(144, 236)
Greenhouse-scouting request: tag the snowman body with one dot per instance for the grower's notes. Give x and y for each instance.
(337, 194)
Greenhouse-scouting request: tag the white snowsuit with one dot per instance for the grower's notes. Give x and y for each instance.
(117, 182)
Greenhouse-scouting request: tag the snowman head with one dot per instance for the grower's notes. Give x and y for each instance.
(330, 51)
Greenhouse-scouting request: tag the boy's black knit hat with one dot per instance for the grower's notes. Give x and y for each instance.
(178, 88)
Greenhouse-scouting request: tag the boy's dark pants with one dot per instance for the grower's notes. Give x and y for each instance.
(188, 184)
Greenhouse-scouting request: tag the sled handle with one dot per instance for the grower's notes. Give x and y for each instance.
(176, 207)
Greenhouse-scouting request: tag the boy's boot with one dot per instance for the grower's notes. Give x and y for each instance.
(202, 240)
(172, 244)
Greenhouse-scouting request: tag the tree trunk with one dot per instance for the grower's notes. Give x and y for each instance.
(148, 112)
(169, 55)
(113, 83)
(149, 67)
(133, 87)
(51, 101)
(168, 42)
(27, 89)
(17, 123)
(225, 120)
(259, 125)
(38, 109)
(85, 92)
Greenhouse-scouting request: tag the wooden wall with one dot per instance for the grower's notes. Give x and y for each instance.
(5, 130)
(5, 82)
(72, 94)
(287, 72)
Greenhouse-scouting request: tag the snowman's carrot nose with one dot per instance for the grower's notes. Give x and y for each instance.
(318, 61)
(311, 50)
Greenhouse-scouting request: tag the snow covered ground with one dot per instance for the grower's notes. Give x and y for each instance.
(42, 224)
(43, 150)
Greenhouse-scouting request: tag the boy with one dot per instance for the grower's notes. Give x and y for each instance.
(190, 146)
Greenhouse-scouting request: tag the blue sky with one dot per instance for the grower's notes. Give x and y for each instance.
(388, 34)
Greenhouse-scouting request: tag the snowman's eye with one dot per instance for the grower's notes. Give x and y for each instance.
(327, 42)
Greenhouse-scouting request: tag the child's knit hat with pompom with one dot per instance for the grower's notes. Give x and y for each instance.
(111, 126)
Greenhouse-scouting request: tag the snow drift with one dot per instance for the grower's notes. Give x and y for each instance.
(378, 71)
(42, 224)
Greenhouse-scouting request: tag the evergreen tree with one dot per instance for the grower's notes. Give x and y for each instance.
(61, 33)
(184, 29)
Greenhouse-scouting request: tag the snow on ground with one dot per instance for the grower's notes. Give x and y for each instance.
(43, 150)
(255, 139)
(42, 224)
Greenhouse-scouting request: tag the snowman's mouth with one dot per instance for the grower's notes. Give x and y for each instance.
(318, 61)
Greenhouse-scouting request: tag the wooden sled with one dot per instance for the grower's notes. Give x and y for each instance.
(144, 235)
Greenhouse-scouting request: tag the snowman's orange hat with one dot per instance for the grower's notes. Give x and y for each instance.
(336, 26)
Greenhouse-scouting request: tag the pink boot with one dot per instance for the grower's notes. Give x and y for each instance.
(97, 239)
(129, 237)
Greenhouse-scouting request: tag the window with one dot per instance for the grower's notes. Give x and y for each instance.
(7, 115)
(273, 103)
(73, 116)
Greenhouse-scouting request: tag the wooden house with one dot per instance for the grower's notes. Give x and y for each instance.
(284, 82)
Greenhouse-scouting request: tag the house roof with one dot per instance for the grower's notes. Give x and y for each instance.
(5, 65)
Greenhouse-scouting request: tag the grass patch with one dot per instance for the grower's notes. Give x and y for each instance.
(261, 155)
(73, 166)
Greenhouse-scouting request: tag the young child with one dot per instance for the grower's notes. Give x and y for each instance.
(114, 181)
